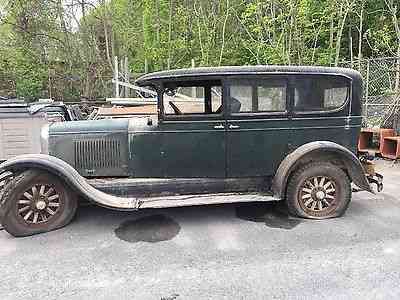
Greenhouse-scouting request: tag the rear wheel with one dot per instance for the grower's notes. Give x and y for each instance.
(36, 202)
(318, 191)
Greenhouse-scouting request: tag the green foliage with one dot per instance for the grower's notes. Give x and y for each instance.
(39, 40)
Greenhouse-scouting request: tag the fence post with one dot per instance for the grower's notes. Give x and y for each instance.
(367, 92)
(116, 76)
(194, 89)
(127, 76)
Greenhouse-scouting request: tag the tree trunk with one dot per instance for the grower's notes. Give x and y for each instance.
(170, 34)
(351, 48)
(106, 35)
(223, 32)
(339, 35)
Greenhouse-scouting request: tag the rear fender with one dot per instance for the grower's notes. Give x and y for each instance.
(321, 150)
(70, 176)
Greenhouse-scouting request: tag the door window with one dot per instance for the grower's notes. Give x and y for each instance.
(187, 98)
(241, 98)
(271, 98)
(258, 96)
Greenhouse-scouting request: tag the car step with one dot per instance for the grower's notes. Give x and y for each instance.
(191, 200)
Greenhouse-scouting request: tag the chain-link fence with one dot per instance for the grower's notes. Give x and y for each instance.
(381, 99)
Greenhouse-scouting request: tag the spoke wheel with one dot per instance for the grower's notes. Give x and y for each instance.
(36, 202)
(318, 190)
(318, 195)
(39, 204)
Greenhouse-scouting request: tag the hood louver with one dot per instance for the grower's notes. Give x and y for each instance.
(98, 156)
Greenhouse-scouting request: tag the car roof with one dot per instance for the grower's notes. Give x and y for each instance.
(177, 74)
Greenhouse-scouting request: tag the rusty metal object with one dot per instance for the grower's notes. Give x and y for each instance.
(370, 173)
(369, 167)
(125, 112)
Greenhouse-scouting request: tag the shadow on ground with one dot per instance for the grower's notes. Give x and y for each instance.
(151, 229)
(157, 225)
(272, 214)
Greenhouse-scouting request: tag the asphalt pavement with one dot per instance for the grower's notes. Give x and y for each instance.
(250, 251)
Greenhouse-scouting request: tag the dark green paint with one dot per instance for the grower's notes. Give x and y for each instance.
(206, 146)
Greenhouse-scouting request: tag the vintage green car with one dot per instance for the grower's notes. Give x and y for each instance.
(221, 135)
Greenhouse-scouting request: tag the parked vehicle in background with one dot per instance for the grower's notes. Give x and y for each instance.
(21, 127)
(55, 111)
(221, 135)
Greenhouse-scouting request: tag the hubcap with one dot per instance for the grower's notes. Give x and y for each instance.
(39, 204)
(318, 195)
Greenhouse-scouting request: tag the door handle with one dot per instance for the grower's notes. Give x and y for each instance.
(220, 126)
(234, 126)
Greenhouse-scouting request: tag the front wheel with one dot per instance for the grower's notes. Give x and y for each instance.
(318, 190)
(36, 202)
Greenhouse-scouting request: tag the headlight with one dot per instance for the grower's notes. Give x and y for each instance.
(44, 139)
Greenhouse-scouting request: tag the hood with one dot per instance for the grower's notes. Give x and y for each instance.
(92, 126)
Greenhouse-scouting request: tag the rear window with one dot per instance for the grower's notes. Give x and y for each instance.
(320, 93)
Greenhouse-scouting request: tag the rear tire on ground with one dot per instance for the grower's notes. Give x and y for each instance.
(318, 190)
(36, 202)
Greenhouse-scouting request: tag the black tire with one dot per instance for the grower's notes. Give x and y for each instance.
(50, 204)
(327, 197)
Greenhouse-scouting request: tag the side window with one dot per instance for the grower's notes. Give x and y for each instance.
(192, 99)
(216, 99)
(272, 98)
(320, 93)
(258, 96)
(184, 100)
(241, 98)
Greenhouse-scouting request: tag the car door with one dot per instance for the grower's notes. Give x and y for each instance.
(258, 125)
(193, 142)
(321, 110)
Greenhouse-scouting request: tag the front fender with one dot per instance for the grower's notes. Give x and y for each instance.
(70, 176)
(289, 164)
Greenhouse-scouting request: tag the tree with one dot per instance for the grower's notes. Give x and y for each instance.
(65, 48)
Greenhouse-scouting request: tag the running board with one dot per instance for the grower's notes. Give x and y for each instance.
(192, 200)
(101, 195)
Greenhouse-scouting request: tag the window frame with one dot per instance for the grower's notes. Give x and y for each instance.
(340, 108)
(255, 81)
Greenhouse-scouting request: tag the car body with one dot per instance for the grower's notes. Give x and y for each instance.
(227, 134)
